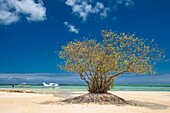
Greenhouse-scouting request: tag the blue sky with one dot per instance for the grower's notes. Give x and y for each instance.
(32, 30)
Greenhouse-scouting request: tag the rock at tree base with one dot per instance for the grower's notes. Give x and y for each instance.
(99, 99)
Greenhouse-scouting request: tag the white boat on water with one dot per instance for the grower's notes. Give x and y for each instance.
(50, 84)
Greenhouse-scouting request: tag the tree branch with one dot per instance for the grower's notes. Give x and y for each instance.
(117, 74)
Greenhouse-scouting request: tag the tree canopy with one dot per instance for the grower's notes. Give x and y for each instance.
(98, 63)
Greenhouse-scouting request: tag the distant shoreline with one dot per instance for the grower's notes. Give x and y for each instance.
(80, 87)
(86, 85)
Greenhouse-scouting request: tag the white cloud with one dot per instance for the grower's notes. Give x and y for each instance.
(72, 28)
(7, 17)
(127, 3)
(12, 10)
(83, 8)
(38, 78)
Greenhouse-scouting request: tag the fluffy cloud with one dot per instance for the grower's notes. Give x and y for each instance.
(83, 8)
(72, 28)
(126, 2)
(12, 10)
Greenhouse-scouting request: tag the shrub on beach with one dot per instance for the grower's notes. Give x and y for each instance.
(99, 63)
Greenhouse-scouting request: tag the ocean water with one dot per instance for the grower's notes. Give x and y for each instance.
(68, 87)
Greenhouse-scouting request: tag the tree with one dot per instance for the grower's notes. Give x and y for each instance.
(98, 63)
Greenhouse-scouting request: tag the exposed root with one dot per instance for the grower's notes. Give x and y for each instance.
(99, 99)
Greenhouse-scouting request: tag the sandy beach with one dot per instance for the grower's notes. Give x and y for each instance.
(154, 102)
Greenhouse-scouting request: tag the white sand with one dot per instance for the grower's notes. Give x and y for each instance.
(156, 102)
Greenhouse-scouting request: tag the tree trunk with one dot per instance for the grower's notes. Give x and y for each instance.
(104, 87)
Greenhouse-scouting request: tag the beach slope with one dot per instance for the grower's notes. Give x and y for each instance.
(154, 102)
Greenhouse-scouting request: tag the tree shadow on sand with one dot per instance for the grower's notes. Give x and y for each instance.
(150, 105)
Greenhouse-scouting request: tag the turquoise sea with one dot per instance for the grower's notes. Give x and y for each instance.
(63, 87)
